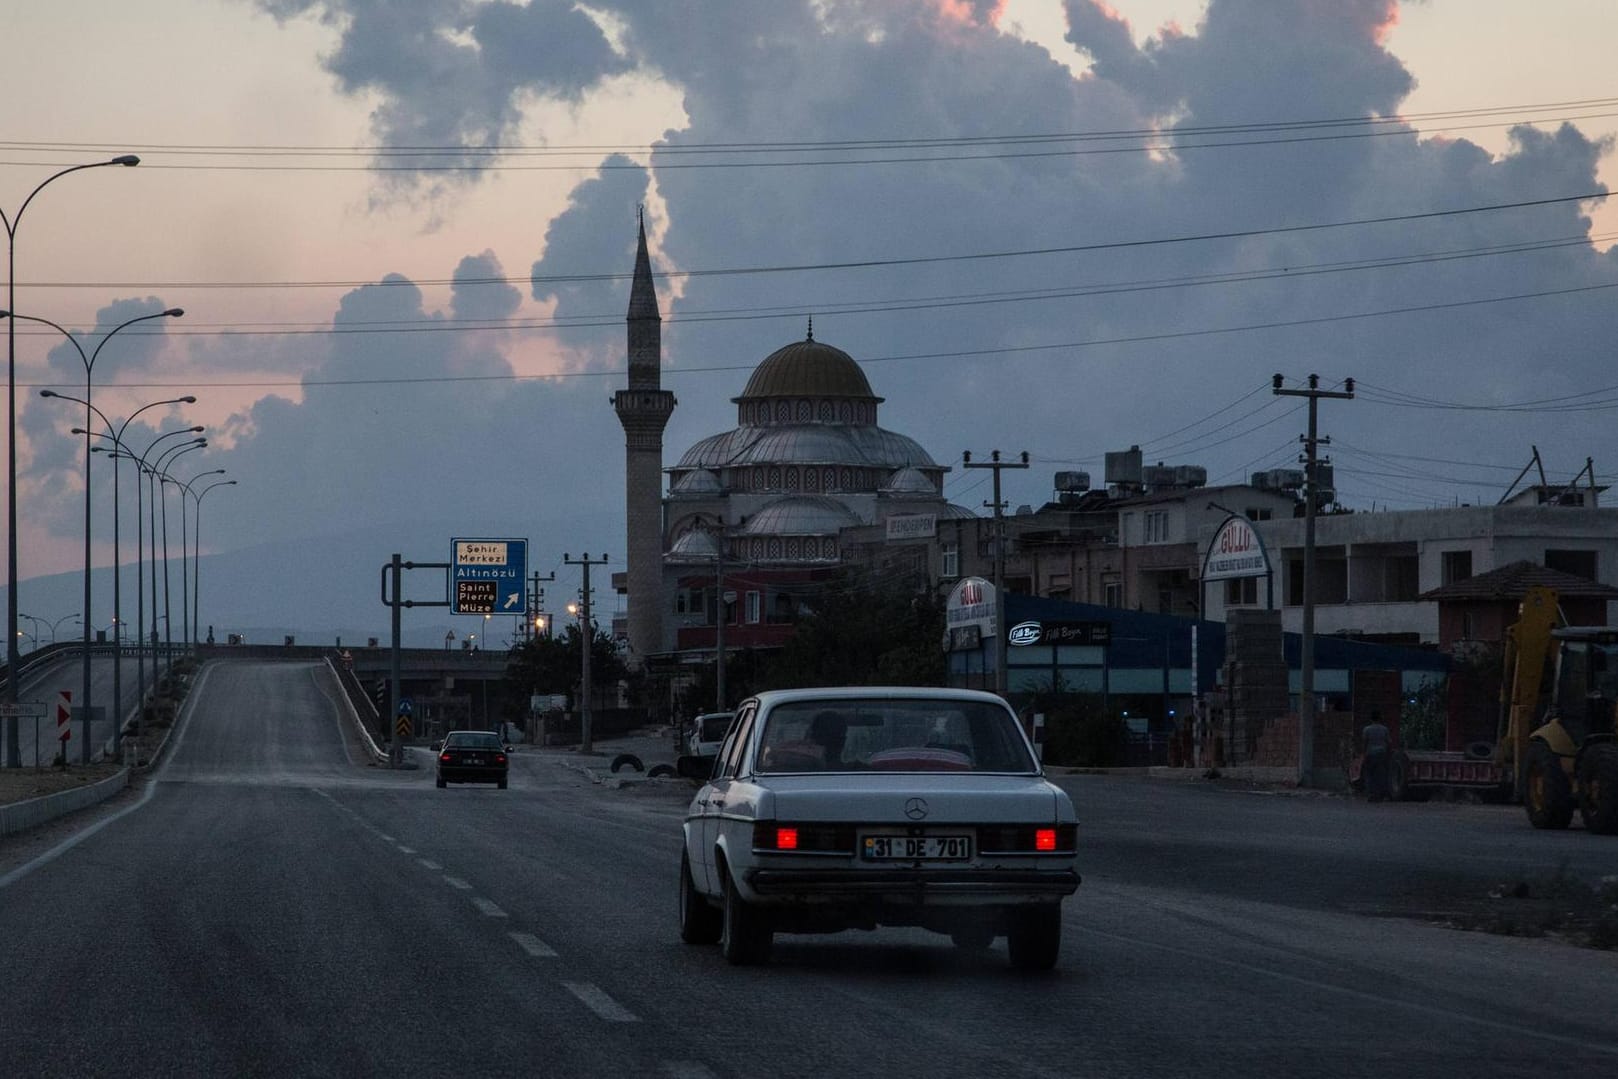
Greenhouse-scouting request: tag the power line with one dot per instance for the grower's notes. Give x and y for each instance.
(860, 264)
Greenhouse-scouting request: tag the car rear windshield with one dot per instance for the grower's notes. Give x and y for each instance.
(892, 736)
(473, 741)
(714, 728)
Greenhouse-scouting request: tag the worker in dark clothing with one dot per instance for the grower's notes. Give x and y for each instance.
(1378, 745)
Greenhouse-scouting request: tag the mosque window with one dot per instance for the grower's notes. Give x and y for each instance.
(847, 480)
(830, 478)
(775, 478)
(827, 412)
(792, 478)
(805, 413)
(845, 412)
(774, 548)
(811, 479)
(792, 549)
(783, 412)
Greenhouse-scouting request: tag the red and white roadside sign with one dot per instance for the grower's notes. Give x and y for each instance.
(64, 713)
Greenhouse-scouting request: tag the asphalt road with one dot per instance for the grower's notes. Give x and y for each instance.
(273, 906)
(68, 674)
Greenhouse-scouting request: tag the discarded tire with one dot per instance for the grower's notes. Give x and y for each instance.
(629, 759)
(659, 771)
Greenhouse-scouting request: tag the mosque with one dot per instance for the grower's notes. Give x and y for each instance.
(748, 530)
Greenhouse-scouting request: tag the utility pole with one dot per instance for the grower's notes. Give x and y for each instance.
(719, 629)
(588, 633)
(1306, 688)
(995, 463)
(536, 602)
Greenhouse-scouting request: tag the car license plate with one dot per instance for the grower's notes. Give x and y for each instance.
(474, 760)
(917, 848)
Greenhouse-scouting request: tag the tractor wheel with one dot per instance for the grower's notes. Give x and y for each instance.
(1598, 788)
(1398, 778)
(1547, 794)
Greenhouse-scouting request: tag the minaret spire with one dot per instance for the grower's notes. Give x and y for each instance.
(643, 407)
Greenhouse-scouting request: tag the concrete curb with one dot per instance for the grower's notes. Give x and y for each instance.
(378, 755)
(20, 816)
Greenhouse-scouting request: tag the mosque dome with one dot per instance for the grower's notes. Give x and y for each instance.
(808, 369)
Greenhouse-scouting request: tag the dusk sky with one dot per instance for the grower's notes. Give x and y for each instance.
(401, 231)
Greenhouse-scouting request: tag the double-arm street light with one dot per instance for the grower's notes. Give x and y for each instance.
(188, 628)
(89, 410)
(196, 556)
(125, 453)
(152, 469)
(121, 451)
(13, 737)
(89, 362)
(164, 462)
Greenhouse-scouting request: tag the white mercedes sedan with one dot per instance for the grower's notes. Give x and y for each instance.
(858, 807)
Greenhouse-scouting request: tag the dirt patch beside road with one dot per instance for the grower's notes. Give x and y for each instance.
(21, 784)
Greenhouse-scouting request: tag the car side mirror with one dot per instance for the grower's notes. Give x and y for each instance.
(511, 749)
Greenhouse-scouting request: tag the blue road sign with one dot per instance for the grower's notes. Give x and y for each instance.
(490, 576)
(405, 707)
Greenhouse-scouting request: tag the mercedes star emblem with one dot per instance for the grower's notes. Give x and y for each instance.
(916, 808)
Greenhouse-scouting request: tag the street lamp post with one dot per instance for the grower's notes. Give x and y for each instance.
(13, 736)
(187, 629)
(196, 553)
(34, 636)
(89, 369)
(140, 561)
(152, 470)
(163, 480)
(120, 451)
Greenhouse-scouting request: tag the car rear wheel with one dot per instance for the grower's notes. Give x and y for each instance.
(700, 921)
(441, 783)
(1034, 937)
(745, 933)
(502, 783)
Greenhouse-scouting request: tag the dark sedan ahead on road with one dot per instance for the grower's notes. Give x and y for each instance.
(472, 757)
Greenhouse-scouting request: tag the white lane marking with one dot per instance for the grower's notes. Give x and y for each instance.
(688, 1069)
(457, 882)
(428, 863)
(406, 850)
(534, 946)
(487, 907)
(599, 1002)
(386, 838)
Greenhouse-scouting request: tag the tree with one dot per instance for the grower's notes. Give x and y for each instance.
(864, 630)
(555, 664)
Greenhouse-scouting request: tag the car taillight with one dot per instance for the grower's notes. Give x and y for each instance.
(769, 835)
(445, 757)
(499, 758)
(1045, 839)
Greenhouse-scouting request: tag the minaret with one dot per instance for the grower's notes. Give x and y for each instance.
(644, 408)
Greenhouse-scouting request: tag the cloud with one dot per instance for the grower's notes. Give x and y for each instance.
(1144, 338)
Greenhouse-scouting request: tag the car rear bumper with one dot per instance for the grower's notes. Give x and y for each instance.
(912, 886)
(472, 775)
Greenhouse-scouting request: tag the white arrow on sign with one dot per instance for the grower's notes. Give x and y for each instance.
(511, 600)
